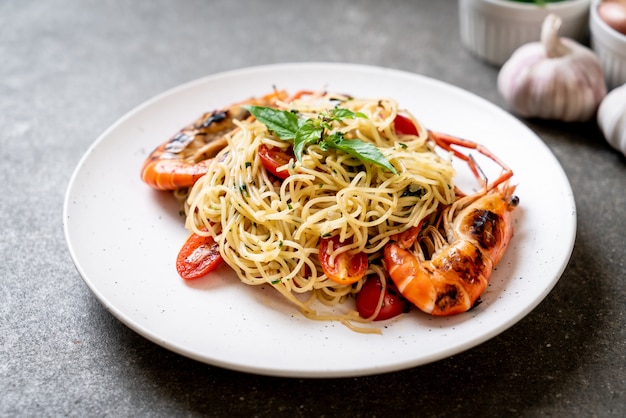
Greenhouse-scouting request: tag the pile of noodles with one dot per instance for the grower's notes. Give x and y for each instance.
(269, 230)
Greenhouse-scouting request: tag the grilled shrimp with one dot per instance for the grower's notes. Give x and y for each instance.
(183, 159)
(444, 269)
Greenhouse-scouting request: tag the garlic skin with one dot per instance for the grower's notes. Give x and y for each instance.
(556, 78)
(612, 118)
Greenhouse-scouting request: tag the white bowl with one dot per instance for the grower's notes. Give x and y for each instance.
(494, 29)
(610, 47)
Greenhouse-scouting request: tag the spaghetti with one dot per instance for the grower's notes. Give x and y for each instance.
(269, 230)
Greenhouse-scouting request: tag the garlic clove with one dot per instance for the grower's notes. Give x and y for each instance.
(556, 78)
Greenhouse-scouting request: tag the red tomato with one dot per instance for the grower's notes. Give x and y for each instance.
(348, 267)
(393, 302)
(272, 158)
(198, 257)
(404, 125)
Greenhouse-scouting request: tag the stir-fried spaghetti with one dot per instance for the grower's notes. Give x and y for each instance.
(269, 231)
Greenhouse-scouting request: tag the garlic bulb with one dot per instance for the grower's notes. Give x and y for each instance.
(556, 78)
(612, 118)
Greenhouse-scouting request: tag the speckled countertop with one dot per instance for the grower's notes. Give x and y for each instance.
(72, 68)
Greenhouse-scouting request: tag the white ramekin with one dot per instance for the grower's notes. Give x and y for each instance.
(494, 29)
(610, 47)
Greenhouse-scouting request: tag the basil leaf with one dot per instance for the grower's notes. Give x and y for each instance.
(341, 113)
(364, 151)
(309, 133)
(287, 126)
(283, 123)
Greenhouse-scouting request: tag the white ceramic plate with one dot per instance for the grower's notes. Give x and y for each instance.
(124, 237)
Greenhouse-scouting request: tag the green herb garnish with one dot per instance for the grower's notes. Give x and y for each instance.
(414, 191)
(288, 127)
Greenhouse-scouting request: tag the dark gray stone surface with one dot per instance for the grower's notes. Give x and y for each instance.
(69, 69)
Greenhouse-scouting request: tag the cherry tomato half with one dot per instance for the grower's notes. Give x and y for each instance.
(274, 157)
(393, 302)
(348, 267)
(198, 257)
(404, 125)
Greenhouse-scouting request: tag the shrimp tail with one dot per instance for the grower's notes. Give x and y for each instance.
(447, 285)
